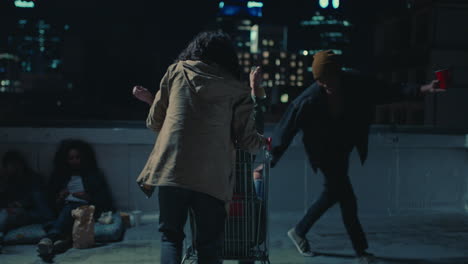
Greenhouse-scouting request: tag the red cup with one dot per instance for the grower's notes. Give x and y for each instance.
(444, 77)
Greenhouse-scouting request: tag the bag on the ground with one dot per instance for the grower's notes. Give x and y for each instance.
(83, 228)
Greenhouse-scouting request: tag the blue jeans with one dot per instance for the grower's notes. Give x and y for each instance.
(209, 214)
(62, 227)
(38, 213)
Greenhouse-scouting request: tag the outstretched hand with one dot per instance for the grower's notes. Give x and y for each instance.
(142, 94)
(432, 87)
(256, 82)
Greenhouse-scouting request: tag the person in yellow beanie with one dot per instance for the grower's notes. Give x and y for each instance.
(334, 114)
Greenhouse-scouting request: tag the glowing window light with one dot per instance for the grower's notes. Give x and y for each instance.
(336, 3)
(305, 53)
(318, 18)
(221, 5)
(252, 4)
(284, 98)
(323, 3)
(24, 4)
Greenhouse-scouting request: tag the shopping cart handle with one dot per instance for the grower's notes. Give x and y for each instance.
(268, 143)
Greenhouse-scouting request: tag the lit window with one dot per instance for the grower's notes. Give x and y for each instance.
(305, 53)
(300, 71)
(265, 62)
(323, 3)
(252, 4)
(299, 84)
(277, 76)
(284, 98)
(266, 54)
(300, 64)
(246, 63)
(24, 4)
(300, 78)
(264, 42)
(246, 69)
(278, 62)
(283, 55)
(293, 64)
(271, 42)
(292, 77)
(336, 3)
(293, 56)
(270, 83)
(246, 55)
(293, 84)
(266, 76)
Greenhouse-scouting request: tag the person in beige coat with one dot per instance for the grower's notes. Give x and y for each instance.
(201, 113)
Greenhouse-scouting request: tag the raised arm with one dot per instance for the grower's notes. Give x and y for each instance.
(157, 113)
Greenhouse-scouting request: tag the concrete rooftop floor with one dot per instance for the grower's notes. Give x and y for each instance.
(423, 238)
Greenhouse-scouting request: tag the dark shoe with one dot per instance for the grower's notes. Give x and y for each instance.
(366, 258)
(301, 244)
(60, 246)
(45, 247)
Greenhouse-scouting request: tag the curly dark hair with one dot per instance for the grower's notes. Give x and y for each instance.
(213, 47)
(87, 156)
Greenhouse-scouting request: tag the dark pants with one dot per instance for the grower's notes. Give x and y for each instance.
(209, 215)
(62, 227)
(337, 189)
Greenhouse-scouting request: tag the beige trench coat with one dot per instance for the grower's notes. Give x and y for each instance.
(199, 112)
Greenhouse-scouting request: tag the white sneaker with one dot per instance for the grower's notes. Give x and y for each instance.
(45, 247)
(301, 244)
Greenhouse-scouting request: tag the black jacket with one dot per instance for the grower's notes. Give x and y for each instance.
(322, 134)
(95, 186)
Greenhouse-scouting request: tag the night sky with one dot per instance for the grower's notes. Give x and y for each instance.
(113, 45)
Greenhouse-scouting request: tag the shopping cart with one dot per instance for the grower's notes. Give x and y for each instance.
(246, 228)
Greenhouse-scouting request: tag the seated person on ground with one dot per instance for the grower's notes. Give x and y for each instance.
(76, 181)
(22, 196)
